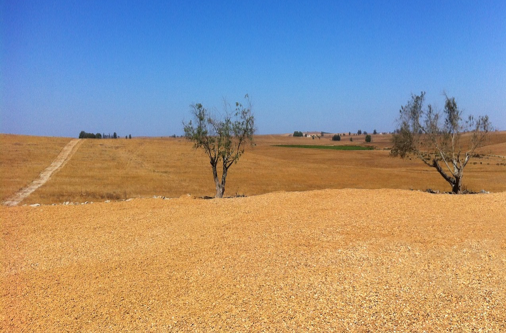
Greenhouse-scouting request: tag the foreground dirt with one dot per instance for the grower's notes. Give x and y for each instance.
(358, 260)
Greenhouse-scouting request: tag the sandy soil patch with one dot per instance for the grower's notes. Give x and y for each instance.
(358, 260)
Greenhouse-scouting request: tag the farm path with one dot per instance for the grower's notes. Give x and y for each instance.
(62, 158)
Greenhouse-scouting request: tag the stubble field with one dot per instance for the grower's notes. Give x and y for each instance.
(119, 169)
(341, 244)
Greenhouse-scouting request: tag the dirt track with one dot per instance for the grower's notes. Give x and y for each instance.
(45, 175)
(356, 260)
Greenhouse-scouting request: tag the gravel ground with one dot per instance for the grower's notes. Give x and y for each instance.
(331, 260)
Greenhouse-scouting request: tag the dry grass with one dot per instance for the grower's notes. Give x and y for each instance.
(342, 260)
(22, 158)
(118, 169)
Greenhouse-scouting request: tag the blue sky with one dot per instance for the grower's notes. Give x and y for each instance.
(134, 67)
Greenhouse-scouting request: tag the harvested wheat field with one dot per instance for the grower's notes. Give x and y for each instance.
(109, 169)
(329, 260)
(23, 157)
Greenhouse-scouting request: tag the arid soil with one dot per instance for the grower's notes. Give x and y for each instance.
(330, 260)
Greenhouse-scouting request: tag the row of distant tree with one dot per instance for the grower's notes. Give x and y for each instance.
(337, 137)
(359, 132)
(85, 135)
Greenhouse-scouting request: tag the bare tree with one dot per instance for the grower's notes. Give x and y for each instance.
(222, 139)
(445, 141)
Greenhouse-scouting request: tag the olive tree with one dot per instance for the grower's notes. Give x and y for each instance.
(223, 140)
(444, 141)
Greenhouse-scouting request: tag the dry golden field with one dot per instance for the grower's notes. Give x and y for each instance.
(144, 167)
(22, 158)
(330, 260)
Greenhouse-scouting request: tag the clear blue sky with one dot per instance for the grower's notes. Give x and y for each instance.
(134, 67)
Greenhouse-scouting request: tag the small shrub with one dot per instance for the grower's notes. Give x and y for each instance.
(351, 139)
(368, 138)
(298, 134)
(336, 137)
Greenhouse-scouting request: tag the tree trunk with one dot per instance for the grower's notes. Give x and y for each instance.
(457, 185)
(454, 180)
(219, 191)
(220, 186)
(224, 178)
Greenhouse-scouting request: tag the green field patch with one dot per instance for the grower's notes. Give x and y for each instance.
(327, 147)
